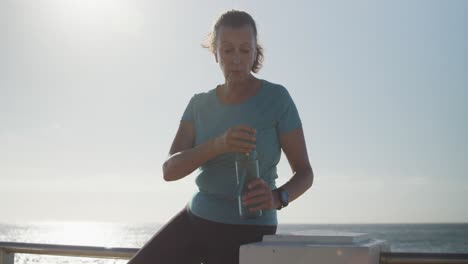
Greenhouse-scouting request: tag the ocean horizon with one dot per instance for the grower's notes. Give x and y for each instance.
(401, 237)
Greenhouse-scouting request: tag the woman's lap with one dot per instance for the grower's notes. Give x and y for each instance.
(187, 238)
(173, 243)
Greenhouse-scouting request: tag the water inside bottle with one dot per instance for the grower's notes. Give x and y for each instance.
(246, 171)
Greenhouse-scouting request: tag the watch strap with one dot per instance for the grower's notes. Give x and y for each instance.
(282, 197)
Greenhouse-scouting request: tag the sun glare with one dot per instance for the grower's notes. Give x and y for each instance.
(82, 233)
(103, 15)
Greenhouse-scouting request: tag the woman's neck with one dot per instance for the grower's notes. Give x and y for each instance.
(234, 92)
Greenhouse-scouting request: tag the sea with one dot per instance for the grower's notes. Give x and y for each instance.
(437, 238)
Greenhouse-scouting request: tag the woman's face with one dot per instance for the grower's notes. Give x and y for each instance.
(236, 52)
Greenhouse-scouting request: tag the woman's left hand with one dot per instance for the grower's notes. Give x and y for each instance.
(259, 196)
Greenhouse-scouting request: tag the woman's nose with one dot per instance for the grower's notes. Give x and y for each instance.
(236, 60)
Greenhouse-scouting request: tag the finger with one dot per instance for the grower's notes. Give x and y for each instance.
(258, 182)
(264, 206)
(257, 200)
(236, 138)
(242, 135)
(241, 144)
(244, 148)
(246, 128)
(254, 193)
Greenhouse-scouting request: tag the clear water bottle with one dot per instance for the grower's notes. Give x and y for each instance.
(246, 171)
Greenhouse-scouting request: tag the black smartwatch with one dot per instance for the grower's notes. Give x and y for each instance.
(283, 196)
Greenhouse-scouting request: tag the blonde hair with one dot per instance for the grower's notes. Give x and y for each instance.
(235, 19)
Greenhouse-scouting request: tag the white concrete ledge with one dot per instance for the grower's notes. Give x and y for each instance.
(314, 246)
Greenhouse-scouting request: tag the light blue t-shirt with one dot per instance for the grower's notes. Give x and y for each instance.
(272, 112)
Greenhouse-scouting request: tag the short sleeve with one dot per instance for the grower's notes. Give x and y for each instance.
(289, 118)
(189, 111)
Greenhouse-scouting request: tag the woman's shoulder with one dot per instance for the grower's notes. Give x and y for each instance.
(275, 88)
(203, 96)
(203, 100)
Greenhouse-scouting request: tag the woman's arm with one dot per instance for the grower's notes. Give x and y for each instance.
(184, 158)
(294, 146)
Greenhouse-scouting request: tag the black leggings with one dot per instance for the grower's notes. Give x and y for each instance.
(190, 239)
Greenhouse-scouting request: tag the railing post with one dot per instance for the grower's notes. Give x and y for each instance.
(6, 257)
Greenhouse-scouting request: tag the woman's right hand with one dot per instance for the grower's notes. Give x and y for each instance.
(236, 139)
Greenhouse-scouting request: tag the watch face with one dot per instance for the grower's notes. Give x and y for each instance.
(284, 197)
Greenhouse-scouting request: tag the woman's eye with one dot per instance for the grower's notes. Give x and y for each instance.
(245, 51)
(228, 51)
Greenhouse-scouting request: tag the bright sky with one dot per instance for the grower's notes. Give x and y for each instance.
(91, 94)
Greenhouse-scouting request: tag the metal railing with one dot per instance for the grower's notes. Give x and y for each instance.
(9, 249)
(422, 258)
